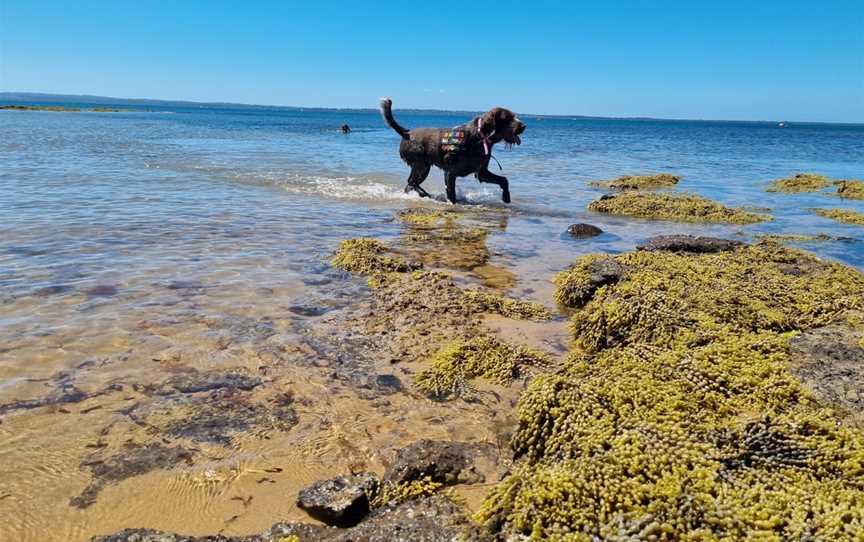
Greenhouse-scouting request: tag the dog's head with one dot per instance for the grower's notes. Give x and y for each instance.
(502, 124)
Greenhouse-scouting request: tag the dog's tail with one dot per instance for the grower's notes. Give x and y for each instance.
(386, 104)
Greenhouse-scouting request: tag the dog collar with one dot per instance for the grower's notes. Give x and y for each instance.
(484, 138)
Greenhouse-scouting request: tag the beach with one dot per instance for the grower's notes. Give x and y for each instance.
(181, 351)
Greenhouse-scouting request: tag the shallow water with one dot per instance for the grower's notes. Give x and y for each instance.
(134, 246)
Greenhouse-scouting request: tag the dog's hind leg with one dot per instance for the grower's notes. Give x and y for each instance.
(486, 176)
(419, 172)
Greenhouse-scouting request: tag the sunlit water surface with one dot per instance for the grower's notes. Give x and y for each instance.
(207, 224)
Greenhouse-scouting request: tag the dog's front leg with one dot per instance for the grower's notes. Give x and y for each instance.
(450, 185)
(486, 176)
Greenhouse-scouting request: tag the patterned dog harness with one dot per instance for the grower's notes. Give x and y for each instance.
(452, 140)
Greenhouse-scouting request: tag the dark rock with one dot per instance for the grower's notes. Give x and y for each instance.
(441, 461)
(390, 383)
(134, 460)
(103, 290)
(342, 501)
(605, 271)
(197, 382)
(307, 309)
(432, 519)
(583, 231)
(829, 361)
(689, 243)
(217, 419)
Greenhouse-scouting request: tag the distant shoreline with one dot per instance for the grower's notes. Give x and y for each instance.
(63, 109)
(38, 97)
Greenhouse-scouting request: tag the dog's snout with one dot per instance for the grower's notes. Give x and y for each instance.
(520, 127)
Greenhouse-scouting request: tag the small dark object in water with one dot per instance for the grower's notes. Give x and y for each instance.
(307, 309)
(390, 382)
(689, 243)
(342, 501)
(583, 231)
(345, 129)
(103, 290)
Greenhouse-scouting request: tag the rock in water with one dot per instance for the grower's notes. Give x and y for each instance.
(689, 243)
(583, 231)
(342, 501)
(441, 461)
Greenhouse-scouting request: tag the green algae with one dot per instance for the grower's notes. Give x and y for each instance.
(481, 301)
(638, 182)
(842, 215)
(457, 363)
(802, 182)
(680, 207)
(850, 189)
(668, 296)
(676, 417)
(393, 494)
(367, 256)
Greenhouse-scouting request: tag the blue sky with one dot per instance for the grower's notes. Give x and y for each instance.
(795, 60)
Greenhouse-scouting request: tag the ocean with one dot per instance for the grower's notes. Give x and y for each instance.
(213, 226)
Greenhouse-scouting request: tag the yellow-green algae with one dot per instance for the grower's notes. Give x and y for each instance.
(392, 494)
(457, 363)
(850, 189)
(483, 301)
(367, 256)
(680, 420)
(639, 182)
(802, 182)
(842, 215)
(680, 207)
(667, 296)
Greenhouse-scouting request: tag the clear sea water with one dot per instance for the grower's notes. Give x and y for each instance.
(192, 215)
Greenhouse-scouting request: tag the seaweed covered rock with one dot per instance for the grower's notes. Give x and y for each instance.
(681, 207)
(688, 243)
(850, 189)
(485, 301)
(679, 418)
(639, 182)
(577, 285)
(367, 256)
(583, 231)
(842, 215)
(342, 501)
(666, 296)
(457, 363)
(801, 182)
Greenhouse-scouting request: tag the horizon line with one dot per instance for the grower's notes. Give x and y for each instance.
(155, 101)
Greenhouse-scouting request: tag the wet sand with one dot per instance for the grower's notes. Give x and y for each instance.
(189, 422)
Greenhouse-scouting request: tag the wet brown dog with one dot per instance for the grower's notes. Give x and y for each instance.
(459, 151)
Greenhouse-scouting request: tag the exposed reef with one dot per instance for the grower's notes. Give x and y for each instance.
(842, 215)
(458, 363)
(801, 182)
(639, 182)
(677, 416)
(681, 207)
(850, 189)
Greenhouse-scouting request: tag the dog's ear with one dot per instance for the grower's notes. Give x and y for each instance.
(487, 122)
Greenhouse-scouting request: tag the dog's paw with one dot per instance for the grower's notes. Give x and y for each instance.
(505, 196)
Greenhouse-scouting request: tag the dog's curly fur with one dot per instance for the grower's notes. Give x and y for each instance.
(421, 148)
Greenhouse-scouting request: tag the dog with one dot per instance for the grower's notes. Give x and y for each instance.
(458, 151)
